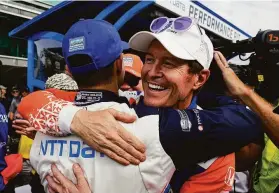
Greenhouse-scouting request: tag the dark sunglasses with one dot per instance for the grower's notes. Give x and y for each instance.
(131, 80)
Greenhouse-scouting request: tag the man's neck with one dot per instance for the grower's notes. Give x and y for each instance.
(112, 87)
(184, 104)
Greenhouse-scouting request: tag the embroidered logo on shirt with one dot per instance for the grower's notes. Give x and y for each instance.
(185, 122)
(229, 179)
(197, 113)
(84, 97)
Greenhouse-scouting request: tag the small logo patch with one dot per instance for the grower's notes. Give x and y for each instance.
(185, 122)
(128, 61)
(229, 179)
(76, 44)
(84, 97)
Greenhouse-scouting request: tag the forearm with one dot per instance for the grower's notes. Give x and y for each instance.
(247, 157)
(265, 112)
(42, 110)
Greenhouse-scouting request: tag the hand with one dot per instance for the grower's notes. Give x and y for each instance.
(23, 127)
(235, 86)
(59, 183)
(101, 131)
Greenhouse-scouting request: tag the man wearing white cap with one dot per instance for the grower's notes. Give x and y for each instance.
(171, 75)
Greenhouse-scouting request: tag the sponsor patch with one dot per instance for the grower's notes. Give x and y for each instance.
(200, 126)
(185, 122)
(128, 61)
(76, 44)
(83, 97)
(229, 179)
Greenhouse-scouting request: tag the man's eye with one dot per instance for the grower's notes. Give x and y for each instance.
(169, 65)
(149, 60)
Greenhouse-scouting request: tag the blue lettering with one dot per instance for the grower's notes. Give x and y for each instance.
(44, 149)
(72, 143)
(3, 118)
(90, 152)
(75, 149)
(62, 142)
(102, 154)
(51, 142)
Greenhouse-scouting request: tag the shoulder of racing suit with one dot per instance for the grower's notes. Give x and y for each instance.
(191, 136)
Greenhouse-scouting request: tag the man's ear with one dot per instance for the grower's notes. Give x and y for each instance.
(202, 77)
(119, 65)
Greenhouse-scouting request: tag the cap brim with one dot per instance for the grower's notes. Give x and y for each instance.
(133, 72)
(142, 40)
(125, 45)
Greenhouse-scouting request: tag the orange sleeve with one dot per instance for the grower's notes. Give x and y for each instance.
(42, 109)
(65, 95)
(219, 177)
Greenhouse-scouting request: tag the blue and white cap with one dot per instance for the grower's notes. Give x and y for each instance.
(97, 39)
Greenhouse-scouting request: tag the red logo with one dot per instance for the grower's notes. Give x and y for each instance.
(229, 179)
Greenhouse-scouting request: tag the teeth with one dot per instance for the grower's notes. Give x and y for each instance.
(157, 87)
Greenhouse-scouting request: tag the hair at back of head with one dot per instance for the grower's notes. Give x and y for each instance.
(62, 82)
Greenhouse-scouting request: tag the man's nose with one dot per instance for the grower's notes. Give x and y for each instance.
(125, 87)
(155, 71)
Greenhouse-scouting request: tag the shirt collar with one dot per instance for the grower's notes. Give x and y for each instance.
(193, 104)
(88, 97)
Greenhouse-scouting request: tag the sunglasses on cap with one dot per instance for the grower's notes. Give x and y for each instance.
(131, 80)
(177, 24)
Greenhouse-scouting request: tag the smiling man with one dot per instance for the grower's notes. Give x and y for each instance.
(173, 72)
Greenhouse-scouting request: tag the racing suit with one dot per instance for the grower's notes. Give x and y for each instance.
(186, 136)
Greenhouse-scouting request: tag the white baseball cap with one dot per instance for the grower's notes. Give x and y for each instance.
(3, 87)
(190, 44)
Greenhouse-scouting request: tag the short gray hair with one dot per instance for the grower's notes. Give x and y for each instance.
(61, 81)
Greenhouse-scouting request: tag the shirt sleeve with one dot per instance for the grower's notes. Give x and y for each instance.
(192, 136)
(43, 114)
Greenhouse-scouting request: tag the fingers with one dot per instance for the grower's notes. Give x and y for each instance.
(115, 157)
(223, 59)
(21, 132)
(22, 122)
(50, 190)
(136, 144)
(132, 145)
(29, 129)
(18, 128)
(58, 175)
(79, 175)
(117, 145)
(55, 187)
(123, 117)
(219, 62)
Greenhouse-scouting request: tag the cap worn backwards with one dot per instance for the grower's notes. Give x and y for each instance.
(97, 39)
